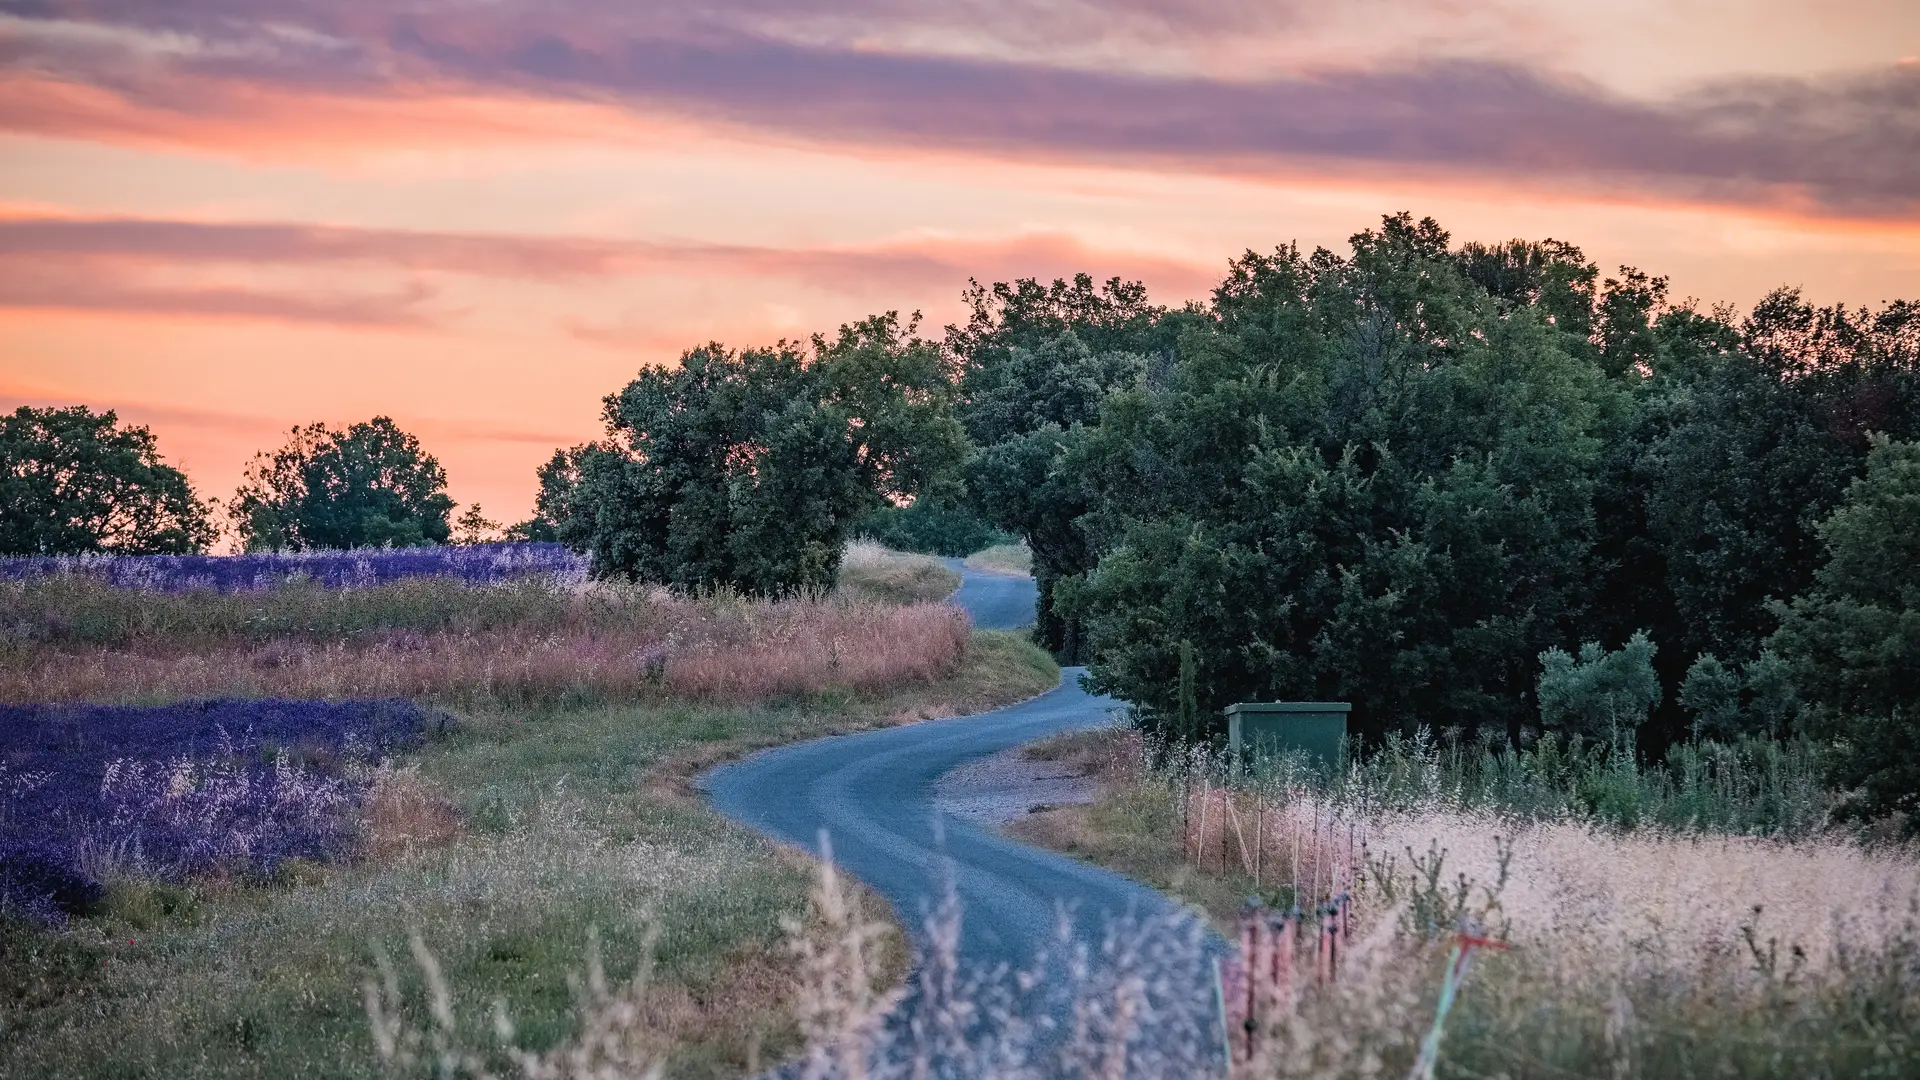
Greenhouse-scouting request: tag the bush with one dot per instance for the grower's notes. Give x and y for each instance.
(1601, 695)
(929, 527)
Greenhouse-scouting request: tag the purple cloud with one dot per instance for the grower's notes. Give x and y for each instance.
(38, 245)
(1847, 144)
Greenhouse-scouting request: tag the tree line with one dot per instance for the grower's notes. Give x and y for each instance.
(1482, 488)
(76, 482)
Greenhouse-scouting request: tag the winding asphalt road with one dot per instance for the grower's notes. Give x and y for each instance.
(994, 601)
(873, 794)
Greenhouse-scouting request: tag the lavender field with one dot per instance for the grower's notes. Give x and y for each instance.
(224, 789)
(91, 793)
(475, 564)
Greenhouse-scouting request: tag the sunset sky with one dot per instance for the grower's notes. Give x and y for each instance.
(226, 217)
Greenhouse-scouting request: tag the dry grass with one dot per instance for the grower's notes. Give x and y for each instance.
(1633, 953)
(722, 650)
(565, 821)
(1013, 559)
(871, 573)
(406, 813)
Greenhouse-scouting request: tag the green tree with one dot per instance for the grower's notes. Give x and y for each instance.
(1711, 692)
(932, 524)
(1852, 640)
(1367, 480)
(474, 527)
(749, 469)
(1624, 317)
(1729, 702)
(1742, 441)
(74, 481)
(1603, 694)
(1035, 362)
(370, 485)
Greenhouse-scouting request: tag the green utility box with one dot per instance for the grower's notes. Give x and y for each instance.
(1318, 728)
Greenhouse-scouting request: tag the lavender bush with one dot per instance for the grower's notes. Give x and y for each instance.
(90, 790)
(475, 564)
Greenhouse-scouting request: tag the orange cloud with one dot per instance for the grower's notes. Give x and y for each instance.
(115, 264)
(263, 122)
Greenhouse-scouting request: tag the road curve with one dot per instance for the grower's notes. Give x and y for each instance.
(994, 601)
(873, 794)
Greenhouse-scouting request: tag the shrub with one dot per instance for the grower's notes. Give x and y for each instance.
(1603, 694)
(930, 527)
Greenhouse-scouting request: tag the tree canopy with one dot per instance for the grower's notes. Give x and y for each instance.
(1399, 476)
(748, 469)
(1852, 641)
(73, 481)
(370, 485)
(1485, 488)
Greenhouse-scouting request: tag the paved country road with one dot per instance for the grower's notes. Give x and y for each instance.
(873, 794)
(994, 601)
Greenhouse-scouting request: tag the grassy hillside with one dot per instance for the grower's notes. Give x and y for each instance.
(555, 806)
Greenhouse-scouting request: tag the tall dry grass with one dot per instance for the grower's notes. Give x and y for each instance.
(1132, 1005)
(870, 572)
(1594, 954)
(1626, 952)
(653, 644)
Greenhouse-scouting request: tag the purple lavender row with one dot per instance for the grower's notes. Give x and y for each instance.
(476, 564)
(91, 792)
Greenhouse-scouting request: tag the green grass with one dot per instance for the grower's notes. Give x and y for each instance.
(570, 824)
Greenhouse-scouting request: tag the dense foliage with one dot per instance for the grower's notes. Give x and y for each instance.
(1406, 476)
(1852, 641)
(749, 469)
(930, 526)
(370, 485)
(1036, 363)
(74, 481)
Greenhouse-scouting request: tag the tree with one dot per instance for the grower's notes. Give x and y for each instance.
(749, 469)
(1742, 441)
(1852, 640)
(474, 527)
(931, 525)
(370, 485)
(1711, 692)
(1368, 481)
(74, 481)
(1730, 702)
(1603, 694)
(1035, 362)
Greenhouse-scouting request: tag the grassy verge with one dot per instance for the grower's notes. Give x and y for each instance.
(1012, 559)
(1131, 827)
(1627, 951)
(871, 573)
(564, 826)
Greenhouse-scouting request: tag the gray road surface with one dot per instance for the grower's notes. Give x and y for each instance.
(994, 601)
(873, 794)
